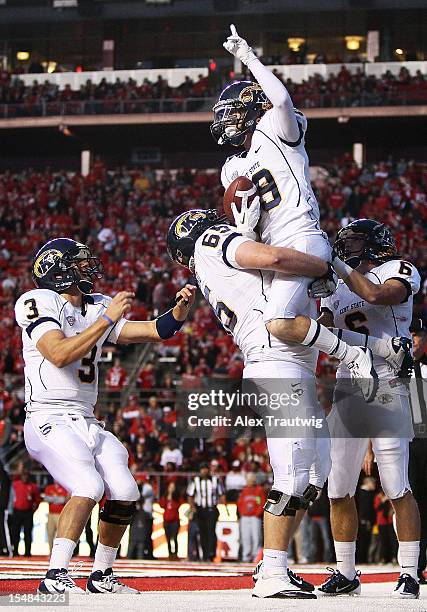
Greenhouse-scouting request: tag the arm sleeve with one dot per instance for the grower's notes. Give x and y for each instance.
(287, 126)
(114, 334)
(36, 314)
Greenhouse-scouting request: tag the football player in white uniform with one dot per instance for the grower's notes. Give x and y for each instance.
(64, 326)
(234, 274)
(377, 299)
(261, 118)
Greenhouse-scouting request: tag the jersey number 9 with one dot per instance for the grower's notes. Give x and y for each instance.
(267, 189)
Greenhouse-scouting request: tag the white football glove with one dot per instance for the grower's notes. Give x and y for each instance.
(237, 46)
(324, 286)
(247, 219)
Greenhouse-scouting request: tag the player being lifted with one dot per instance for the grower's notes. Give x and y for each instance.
(228, 268)
(376, 298)
(64, 326)
(260, 117)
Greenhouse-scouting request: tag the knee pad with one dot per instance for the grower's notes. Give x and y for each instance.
(279, 503)
(309, 496)
(116, 513)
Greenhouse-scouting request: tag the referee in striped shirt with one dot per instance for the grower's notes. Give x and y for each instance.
(418, 446)
(204, 493)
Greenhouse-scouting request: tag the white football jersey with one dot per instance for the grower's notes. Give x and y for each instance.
(239, 297)
(76, 385)
(353, 313)
(280, 170)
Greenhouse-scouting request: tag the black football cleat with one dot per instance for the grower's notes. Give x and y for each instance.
(338, 584)
(407, 587)
(106, 582)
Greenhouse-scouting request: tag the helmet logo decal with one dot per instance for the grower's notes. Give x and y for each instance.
(247, 94)
(185, 224)
(45, 262)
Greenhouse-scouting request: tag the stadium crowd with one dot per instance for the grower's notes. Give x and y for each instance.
(343, 89)
(123, 215)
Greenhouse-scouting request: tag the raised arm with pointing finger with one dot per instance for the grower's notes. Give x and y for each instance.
(288, 126)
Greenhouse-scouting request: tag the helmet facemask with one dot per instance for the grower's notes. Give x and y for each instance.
(350, 248)
(354, 246)
(84, 266)
(237, 112)
(229, 123)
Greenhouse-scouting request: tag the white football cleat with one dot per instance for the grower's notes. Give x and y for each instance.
(363, 373)
(278, 586)
(59, 581)
(293, 577)
(106, 582)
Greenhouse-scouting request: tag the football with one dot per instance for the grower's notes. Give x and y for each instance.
(235, 192)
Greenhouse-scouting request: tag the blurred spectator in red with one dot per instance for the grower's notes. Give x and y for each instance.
(116, 377)
(171, 504)
(56, 496)
(26, 499)
(147, 376)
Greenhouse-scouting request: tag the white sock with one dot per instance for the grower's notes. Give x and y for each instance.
(346, 558)
(324, 340)
(378, 346)
(104, 557)
(275, 561)
(62, 551)
(408, 558)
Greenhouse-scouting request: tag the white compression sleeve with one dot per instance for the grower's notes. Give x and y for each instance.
(378, 346)
(278, 95)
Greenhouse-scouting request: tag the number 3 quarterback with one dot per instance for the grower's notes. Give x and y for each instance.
(64, 326)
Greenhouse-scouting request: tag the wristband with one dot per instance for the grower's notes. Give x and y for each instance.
(342, 269)
(107, 318)
(167, 325)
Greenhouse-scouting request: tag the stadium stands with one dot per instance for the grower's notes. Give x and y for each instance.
(123, 215)
(346, 88)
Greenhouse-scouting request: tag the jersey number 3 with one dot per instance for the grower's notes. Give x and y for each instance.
(87, 371)
(31, 309)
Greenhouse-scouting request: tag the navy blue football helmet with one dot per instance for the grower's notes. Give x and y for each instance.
(186, 229)
(62, 263)
(365, 239)
(239, 107)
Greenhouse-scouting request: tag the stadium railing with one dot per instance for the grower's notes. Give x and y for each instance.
(190, 105)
